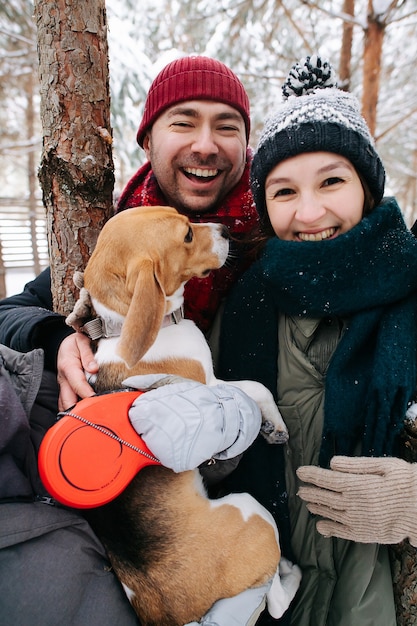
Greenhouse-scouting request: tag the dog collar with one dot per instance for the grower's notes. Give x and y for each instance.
(173, 318)
(100, 327)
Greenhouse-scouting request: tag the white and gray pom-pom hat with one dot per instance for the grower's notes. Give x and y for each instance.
(316, 116)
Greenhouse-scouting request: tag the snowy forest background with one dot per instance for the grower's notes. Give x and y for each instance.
(258, 39)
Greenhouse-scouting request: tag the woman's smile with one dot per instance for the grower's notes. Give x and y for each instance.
(318, 236)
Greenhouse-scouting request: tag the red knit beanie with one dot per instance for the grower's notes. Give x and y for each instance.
(193, 78)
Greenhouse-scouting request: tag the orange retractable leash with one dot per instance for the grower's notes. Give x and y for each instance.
(93, 452)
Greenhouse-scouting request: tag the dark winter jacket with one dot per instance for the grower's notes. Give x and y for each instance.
(28, 400)
(49, 551)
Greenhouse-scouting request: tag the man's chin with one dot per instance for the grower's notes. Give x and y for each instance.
(199, 205)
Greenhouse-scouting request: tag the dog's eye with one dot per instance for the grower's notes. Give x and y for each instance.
(189, 236)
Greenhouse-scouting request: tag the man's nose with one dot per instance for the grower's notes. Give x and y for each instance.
(204, 142)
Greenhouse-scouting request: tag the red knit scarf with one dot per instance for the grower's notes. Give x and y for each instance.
(202, 296)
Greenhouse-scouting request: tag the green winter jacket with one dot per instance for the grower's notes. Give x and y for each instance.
(344, 583)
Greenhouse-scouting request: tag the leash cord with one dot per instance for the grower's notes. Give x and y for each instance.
(105, 431)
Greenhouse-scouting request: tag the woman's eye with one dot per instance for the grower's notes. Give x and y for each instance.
(189, 236)
(332, 181)
(283, 192)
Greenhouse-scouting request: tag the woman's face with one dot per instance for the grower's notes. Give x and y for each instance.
(313, 196)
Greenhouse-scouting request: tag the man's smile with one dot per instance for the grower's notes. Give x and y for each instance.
(200, 173)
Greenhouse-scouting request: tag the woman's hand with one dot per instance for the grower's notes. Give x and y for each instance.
(368, 500)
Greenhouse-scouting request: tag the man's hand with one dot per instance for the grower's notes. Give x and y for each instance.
(75, 356)
(368, 500)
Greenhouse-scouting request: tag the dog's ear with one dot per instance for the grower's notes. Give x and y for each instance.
(145, 313)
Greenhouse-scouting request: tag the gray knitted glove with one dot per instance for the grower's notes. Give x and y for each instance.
(368, 500)
(186, 423)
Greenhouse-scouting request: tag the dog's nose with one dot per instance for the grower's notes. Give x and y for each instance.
(225, 232)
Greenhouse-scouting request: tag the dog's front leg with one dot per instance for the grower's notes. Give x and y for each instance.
(273, 427)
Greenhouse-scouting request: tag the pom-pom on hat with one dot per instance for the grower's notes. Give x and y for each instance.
(316, 116)
(193, 78)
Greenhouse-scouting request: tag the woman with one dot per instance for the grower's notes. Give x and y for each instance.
(326, 318)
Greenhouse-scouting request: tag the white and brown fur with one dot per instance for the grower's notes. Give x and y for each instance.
(175, 550)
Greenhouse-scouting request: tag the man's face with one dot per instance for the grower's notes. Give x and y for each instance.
(197, 150)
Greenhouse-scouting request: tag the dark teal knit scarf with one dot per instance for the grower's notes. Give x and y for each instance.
(369, 276)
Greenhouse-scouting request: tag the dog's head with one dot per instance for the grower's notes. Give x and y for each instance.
(142, 260)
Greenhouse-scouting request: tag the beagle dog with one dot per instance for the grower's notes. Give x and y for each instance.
(175, 551)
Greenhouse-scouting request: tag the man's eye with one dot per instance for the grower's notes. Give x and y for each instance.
(228, 129)
(189, 236)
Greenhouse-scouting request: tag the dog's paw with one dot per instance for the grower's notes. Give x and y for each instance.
(283, 589)
(273, 427)
(78, 279)
(273, 434)
(82, 311)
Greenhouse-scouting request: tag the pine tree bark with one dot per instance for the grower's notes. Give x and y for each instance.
(76, 172)
(346, 49)
(372, 54)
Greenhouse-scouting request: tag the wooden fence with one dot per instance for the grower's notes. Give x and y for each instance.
(23, 241)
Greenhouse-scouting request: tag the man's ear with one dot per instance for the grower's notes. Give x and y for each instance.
(147, 144)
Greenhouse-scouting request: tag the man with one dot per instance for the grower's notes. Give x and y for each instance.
(195, 130)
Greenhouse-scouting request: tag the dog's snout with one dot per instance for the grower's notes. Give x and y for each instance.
(224, 232)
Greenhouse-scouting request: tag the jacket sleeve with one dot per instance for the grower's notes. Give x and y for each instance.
(27, 320)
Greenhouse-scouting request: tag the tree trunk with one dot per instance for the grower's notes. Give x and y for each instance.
(76, 173)
(346, 49)
(374, 38)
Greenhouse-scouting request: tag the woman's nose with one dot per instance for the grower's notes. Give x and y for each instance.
(310, 209)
